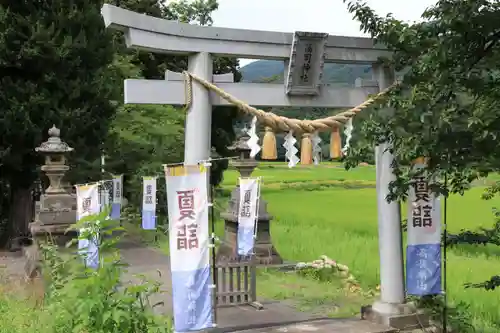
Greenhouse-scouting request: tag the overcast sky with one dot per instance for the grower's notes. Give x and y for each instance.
(308, 15)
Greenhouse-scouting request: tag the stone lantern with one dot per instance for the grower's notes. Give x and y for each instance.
(265, 252)
(56, 210)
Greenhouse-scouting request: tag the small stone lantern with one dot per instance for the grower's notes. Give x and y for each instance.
(56, 210)
(265, 252)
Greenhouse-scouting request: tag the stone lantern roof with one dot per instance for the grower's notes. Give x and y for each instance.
(241, 144)
(54, 145)
(244, 163)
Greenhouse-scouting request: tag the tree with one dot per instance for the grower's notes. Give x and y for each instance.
(153, 66)
(447, 107)
(54, 57)
(198, 11)
(141, 139)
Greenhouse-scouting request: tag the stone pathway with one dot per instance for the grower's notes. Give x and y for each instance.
(325, 326)
(12, 264)
(275, 317)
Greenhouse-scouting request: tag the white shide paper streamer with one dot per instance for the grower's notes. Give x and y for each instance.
(348, 135)
(291, 150)
(253, 142)
(316, 147)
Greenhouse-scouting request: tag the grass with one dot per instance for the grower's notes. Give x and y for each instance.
(306, 294)
(20, 316)
(327, 210)
(274, 173)
(342, 223)
(19, 299)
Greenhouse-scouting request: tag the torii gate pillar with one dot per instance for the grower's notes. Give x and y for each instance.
(199, 116)
(391, 309)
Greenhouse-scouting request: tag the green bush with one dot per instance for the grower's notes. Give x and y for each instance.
(79, 299)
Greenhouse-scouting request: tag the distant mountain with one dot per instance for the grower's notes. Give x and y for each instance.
(344, 74)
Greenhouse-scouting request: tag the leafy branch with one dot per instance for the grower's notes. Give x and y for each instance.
(484, 237)
(447, 105)
(490, 284)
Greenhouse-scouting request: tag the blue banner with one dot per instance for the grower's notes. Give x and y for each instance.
(423, 269)
(87, 199)
(247, 216)
(149, 203)
(423, 253)
(116, 204)
(90, 250)
(187, 198)
(192, 300)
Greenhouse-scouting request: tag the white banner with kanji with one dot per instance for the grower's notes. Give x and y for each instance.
(247, 216)
(116, 204)
(87, 200)
(423, 253)
(187, 198)
(149, 203)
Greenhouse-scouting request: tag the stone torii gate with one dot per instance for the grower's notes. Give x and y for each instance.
(301, 89)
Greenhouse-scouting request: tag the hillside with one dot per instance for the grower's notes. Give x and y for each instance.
(333, 73)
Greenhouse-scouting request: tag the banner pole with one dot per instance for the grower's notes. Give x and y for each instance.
(214, 265)
(156, 215)
(210, 194)
(445, 236)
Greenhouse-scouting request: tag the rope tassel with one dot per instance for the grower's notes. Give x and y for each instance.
(335, 144)
(269, 151)
(306, 149)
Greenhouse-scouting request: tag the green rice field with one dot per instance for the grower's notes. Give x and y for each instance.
(341, 221)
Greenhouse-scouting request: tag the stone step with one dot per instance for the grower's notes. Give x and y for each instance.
(323, 326)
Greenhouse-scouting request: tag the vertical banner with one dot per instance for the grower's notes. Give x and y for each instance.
(149, 203)
(87, 199)
(247, 217)
(187, 198)
(116, 205)
(423, 253)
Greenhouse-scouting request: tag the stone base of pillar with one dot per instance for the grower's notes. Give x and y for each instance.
(58, 233)
(264, 255)
(265, 252)
(400, 316)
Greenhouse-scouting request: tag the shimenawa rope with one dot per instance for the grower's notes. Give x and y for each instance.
(279, 122)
